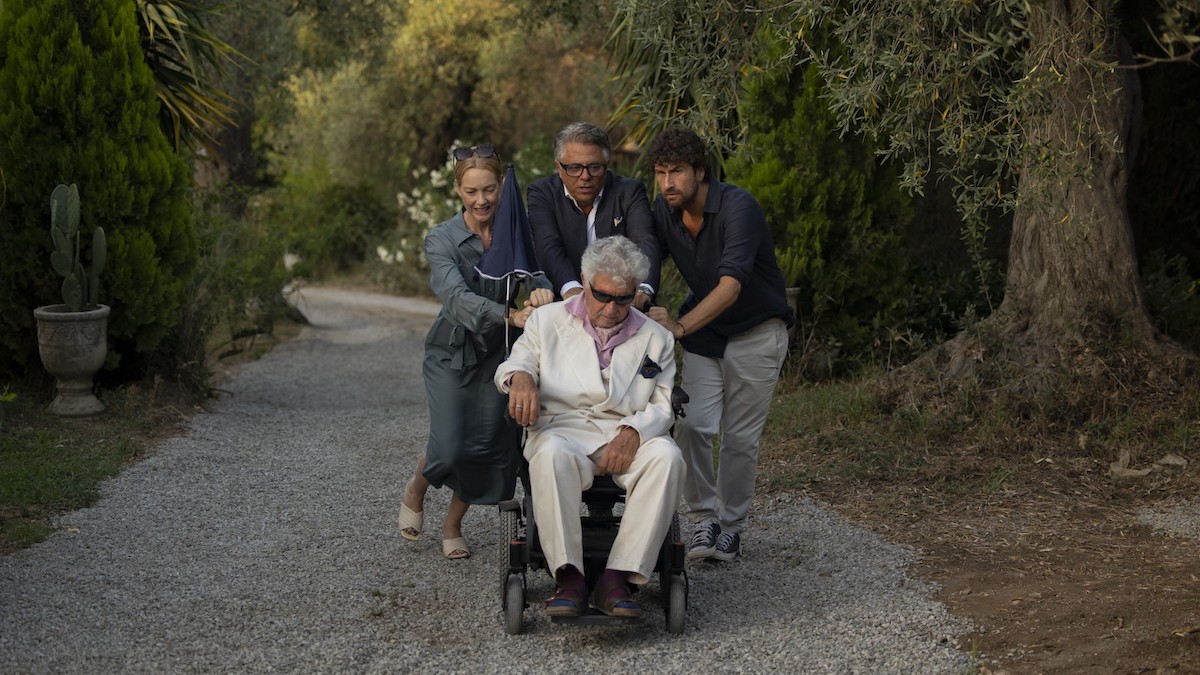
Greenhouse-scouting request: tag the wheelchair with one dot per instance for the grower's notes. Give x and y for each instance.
(599, 528)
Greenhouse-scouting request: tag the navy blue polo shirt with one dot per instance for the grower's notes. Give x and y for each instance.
(733, 241)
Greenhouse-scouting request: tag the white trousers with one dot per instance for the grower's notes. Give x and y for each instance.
(731, 396)
(561, 468)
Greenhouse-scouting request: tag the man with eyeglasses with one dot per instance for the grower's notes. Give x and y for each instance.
(733, 328)
(591, 378)
(585, 201)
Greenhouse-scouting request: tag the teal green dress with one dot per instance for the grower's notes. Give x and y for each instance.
(473, 448)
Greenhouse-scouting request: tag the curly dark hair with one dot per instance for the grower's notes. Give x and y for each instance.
(678, 145)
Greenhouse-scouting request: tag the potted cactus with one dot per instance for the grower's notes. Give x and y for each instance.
(73, 336)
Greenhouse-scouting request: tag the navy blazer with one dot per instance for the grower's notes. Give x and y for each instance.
(560, 228)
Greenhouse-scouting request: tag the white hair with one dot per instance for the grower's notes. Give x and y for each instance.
(618, 258)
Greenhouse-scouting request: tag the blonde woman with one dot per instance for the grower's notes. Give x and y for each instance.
(473, 449)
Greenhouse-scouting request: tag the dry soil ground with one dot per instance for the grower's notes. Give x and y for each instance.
(1057, 577)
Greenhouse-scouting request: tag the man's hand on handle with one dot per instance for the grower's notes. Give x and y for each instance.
(537, 298)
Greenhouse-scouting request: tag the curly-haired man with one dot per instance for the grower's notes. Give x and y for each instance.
(733, 328)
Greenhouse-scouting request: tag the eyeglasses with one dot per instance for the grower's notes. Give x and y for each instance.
(605, 298)
(576, 170)
(480, 151)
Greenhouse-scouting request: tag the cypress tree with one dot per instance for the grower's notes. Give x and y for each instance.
(78, 105)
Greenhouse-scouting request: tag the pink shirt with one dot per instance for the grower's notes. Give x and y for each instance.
(607, 339)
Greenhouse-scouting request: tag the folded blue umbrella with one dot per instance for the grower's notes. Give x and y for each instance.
(511, 254)
(511, 251)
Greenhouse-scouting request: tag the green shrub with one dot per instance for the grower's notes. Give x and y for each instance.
(836, 215)
(330, 228)
(399, 265)
(236, 293)
(78, 105)
(1172, 297)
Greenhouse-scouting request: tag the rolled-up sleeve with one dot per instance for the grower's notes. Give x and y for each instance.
(460, 303)
(744, 227)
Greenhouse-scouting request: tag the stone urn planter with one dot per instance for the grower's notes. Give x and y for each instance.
(73, 336)
(73, 346)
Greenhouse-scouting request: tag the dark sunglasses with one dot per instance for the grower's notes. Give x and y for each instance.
(605, 298)
(576, 170)
(480, 151)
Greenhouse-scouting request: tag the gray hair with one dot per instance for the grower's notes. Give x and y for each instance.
(585, 133)
(616, 257)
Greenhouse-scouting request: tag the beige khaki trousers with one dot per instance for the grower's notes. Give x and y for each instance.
(730, 397)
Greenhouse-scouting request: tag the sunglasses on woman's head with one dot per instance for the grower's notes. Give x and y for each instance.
(605, 298)
(480, 151)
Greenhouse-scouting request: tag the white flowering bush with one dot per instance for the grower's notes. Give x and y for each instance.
(432, 201)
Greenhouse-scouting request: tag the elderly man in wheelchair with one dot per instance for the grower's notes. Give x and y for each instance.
(591, 379)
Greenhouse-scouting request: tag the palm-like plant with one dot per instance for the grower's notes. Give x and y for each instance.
(188, 62)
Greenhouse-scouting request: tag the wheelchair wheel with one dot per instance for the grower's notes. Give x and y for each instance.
(676, 603)
(514, 603)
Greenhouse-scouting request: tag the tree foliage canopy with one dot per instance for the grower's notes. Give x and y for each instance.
(1018, 107)
(684, 63)
(833, 208)
(458, 70)
(929, 79)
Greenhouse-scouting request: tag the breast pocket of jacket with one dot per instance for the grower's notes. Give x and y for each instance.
(618, 226)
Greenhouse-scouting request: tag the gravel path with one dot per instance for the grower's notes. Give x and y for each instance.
(265, 540)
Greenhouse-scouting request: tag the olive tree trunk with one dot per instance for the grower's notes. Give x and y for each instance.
(1072, 282)
(1072, 264)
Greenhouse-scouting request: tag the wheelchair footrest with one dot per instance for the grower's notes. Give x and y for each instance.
(594, 617)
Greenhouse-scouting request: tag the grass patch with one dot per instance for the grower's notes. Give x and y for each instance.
(858, 441)
(50, 465)
(45, 472)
